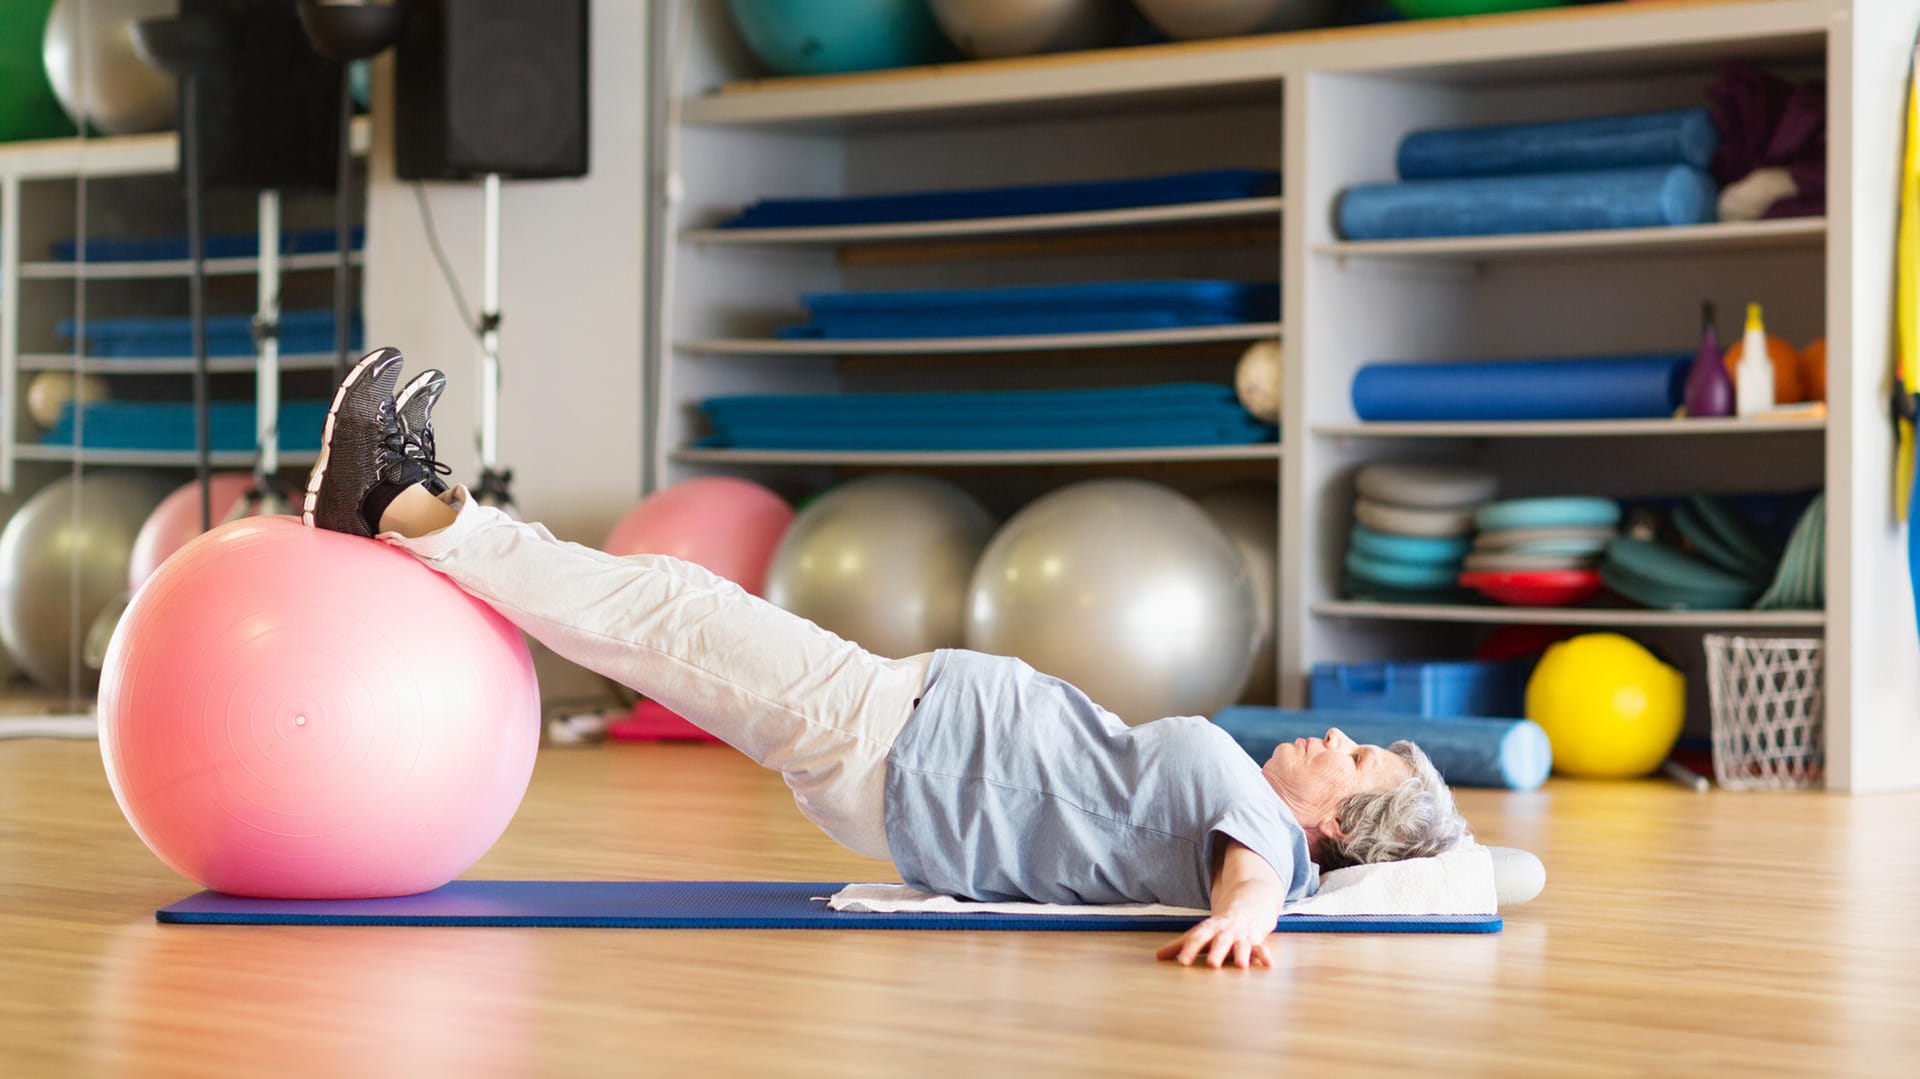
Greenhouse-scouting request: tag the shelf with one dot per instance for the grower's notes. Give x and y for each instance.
(115, 155)
(1572, 428)
(101, 365)
(1033, 342)
(1093, 220)
(1571, 616)
(1263, 451)
(1621, 39)
(34, 451)
(1729, 236)
(152, 268)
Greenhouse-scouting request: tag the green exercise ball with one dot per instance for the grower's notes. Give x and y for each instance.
(830, 37)
(28, 109)
(1445, 9)
(87, 526)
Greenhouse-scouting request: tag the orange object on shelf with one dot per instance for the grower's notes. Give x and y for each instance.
(1813, 370)
(1788, 368)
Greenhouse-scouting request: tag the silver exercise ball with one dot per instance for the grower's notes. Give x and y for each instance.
(990, 28)
(10, 502)
(1249, 513)
(1186, 19)
(1124, 588)
(102, 78)
(41, 548)
(884, 562)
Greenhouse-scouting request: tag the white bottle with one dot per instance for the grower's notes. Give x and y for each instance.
(1753, 382)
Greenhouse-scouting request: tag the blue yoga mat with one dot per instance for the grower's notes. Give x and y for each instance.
(1509, 753)
(1586, 388)
(1676, 137)
(710, 905)
(1014, 201)
(161, 426)
(225, 245)
(1550, 202)
(1086, 307)
(1084, 436)
(1133, 401)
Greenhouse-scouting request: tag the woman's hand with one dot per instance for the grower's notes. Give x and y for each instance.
(1231, 939)
(1247, 897)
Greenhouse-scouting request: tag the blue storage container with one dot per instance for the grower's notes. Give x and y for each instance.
(1424, 687)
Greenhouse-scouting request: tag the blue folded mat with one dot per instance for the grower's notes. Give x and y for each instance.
(676, 904)
(1549, 202)
(171, 337)
(1587, 388)
(1677, 137)
(984, 437)
(1510, 753)
(169, 426)
(1087, 307)
(1012, 201)
(1150, 400)
(225, 245)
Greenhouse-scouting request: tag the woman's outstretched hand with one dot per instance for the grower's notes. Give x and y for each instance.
(1247, 897)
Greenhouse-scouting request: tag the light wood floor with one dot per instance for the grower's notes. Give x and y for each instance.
(1728, 934)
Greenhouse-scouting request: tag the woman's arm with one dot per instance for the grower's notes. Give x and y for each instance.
(1247, 897)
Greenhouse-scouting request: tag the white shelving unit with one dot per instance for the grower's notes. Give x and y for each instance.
(1328, 108)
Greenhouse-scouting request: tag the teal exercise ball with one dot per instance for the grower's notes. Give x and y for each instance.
(28, 109)
(830, 37)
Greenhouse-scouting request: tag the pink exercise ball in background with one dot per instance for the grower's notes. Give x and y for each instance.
(298, 714)
(177, 520)
(730, 526)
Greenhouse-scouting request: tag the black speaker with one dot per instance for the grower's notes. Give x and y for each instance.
(270, 115)
(491, 86)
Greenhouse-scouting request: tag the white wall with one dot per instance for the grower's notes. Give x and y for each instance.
(571, 298)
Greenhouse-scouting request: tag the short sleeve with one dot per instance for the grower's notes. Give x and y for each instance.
(1261, 825)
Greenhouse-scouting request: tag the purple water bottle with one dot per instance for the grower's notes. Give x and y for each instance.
(1709, 387)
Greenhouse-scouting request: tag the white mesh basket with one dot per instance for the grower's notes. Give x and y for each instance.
(1766, 700)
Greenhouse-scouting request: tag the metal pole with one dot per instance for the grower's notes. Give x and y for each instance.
(197, 302)
(267, 327)
(490, 327)
(343, 225)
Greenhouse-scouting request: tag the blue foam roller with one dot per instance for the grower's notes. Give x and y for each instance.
(1590, 388)
(1550, 202)
(1509, 753)
(1677, 137)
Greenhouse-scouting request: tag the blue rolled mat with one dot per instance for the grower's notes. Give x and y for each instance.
(1013, 201)
(1550, 202)
(1588, 388)
(1510, 753)
(1677, 137)
(716, 904)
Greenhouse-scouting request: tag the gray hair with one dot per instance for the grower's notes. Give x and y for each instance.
(1416, 819)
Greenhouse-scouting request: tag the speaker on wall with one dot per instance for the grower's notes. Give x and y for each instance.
(491, 86)
(270, 116)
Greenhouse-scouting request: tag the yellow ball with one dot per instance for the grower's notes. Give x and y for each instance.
(1609, 707)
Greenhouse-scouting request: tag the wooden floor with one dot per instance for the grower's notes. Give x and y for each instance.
(1730, 934)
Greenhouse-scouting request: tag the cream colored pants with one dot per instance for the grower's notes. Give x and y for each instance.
(792, 696)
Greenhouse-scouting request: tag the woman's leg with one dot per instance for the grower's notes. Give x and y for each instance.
(787, 693)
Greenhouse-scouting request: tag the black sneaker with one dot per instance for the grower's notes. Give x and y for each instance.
(415, 404)
(362, 448)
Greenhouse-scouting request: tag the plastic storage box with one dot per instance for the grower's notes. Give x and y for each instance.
(1424, 687)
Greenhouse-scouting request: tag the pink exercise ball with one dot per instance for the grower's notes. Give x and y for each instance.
(299, 714)
(730, 526)
(177, 520)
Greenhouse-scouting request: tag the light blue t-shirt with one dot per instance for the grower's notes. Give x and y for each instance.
(1008, 784)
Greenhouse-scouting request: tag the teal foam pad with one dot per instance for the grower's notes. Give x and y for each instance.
(1510, 753)
(732, 904)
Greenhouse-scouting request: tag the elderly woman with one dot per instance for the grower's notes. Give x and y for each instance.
(976, 775)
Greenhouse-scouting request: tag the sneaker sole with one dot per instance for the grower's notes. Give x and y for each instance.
(319, 473)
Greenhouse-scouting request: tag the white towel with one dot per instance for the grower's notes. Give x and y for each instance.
(1457, 882)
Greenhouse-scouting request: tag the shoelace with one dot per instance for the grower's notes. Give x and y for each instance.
(415, 447)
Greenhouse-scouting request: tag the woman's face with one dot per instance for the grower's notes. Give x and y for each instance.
(1313, 775)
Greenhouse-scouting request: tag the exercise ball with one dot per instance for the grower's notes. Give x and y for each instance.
(728, 525)
(990, 28)
(71, 541)
(884, 562)
(100, 77)
(1610, 708)
(828, 37)
(1124, 588)
(1185, 19)
(1249, 514)
(1257, 381)
(177, 519)
(49, 392)
(300, 714)
(9, 504)
(28, 109)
